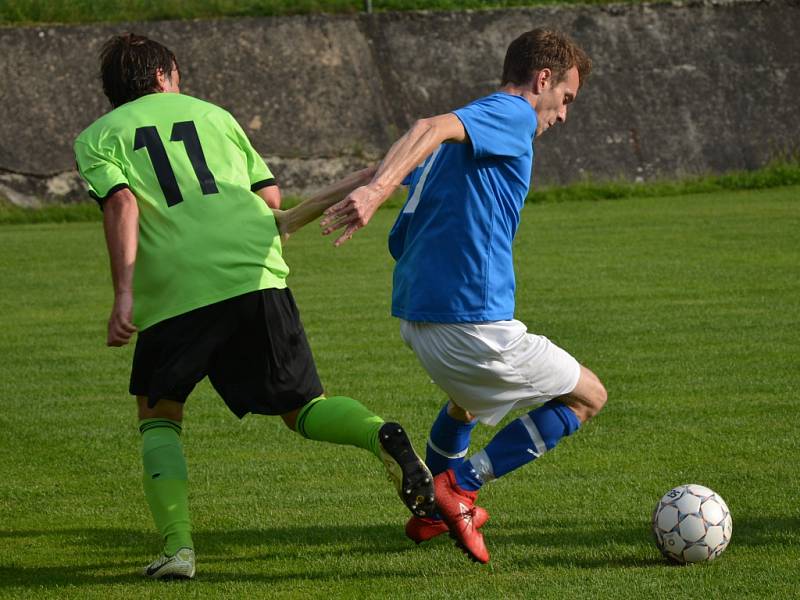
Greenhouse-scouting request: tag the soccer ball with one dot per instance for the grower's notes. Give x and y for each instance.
(692, 523)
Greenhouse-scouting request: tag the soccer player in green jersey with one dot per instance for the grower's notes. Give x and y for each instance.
(197, 270)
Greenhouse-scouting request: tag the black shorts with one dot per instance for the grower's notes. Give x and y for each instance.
(252, 347)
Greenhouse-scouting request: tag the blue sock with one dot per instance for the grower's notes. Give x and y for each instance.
(448, 442)
(518, 443)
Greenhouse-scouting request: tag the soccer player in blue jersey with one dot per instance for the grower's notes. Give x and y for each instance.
(468, 173)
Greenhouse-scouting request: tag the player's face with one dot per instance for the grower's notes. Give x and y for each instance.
(551, 106)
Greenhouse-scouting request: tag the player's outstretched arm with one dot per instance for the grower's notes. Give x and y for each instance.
(121, 225)
(407, 153)
(309, 210)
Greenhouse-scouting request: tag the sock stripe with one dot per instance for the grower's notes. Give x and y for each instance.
(300, 425)
(533, 431)
(448, 455)
(159, 423)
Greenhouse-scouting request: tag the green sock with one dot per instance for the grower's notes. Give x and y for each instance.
(165, 482)
(340, 420)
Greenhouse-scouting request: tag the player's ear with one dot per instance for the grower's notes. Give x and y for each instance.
(541, 80)
(161, 80)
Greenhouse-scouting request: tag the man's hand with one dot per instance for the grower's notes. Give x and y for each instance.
(407, 153)
(289, 221)
(120, 325)
(352, 213)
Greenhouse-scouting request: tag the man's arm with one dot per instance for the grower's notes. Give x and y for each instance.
(271, 195)
(121, 225)
(407, 153)
(293, 219)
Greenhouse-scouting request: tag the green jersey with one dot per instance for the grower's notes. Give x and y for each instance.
(204, 235)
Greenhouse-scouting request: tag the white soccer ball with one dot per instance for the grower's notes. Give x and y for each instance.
(691, 524)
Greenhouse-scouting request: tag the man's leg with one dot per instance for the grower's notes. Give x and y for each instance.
(447, 446)
(527, 438)
(165, 486)
(267, 367)
(338, 420)
(448, 442)
(517, 444)
(345, 421)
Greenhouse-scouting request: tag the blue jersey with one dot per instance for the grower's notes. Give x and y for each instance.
(452, 240)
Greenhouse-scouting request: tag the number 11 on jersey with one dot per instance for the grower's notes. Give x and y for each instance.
(186, 132)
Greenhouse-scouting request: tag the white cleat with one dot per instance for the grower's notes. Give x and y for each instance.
(179, 566)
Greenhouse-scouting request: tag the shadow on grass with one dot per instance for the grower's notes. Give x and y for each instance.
(77, 550)
(608, 545)
(284, 551)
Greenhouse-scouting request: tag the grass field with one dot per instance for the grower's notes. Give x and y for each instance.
(688, 308)
(26, 12)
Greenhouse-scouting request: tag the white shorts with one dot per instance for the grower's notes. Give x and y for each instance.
(492, 368)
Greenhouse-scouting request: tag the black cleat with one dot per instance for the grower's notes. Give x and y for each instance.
(407, 470)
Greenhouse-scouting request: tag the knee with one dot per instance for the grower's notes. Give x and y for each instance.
(589, 397)
(290, 419)
(458, 413)
(163, 409)
(595, 397)
(599, 397)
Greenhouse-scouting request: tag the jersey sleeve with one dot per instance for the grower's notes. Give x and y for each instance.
(257, 170)
(499, 125)
(99, 170)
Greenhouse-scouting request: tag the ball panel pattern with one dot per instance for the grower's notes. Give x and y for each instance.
(691, 523)
(688, 504)
(692, 528)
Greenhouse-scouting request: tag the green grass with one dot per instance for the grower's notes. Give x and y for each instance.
(688, 308)
(28, 12)
(779, 172)
(11, 214)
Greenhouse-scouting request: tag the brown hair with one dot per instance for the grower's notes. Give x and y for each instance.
(544, 49)
(129, 64)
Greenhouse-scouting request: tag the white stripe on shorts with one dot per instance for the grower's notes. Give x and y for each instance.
(533, 431)
(438, 450)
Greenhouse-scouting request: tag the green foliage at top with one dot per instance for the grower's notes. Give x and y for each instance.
(28, 12)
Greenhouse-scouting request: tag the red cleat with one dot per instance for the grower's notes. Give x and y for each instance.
(457, 507)
(421, 529)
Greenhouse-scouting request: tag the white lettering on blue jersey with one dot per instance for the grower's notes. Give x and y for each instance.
(411, 205)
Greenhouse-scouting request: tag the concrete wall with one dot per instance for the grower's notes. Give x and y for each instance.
(677, 88)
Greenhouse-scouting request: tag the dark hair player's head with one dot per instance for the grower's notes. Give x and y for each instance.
(544, 49)
(130, 66)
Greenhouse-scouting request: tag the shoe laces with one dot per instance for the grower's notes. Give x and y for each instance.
(468, 516)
